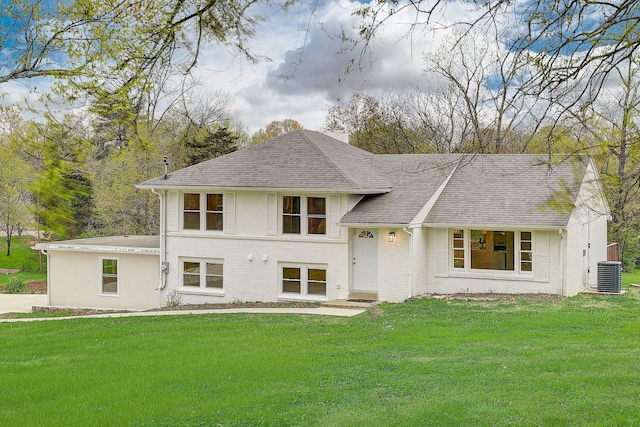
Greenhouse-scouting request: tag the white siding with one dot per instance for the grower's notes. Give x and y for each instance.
(253, 255)
(75, 280)
(394, 266)
(447, 281)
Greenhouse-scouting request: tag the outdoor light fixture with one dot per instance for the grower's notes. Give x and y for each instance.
(392, 236)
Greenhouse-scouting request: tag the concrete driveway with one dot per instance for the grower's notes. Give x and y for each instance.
(22, 303)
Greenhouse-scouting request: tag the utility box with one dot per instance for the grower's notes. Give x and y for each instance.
(610, 276)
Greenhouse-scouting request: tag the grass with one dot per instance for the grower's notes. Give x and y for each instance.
(23, 257)
(426, 362)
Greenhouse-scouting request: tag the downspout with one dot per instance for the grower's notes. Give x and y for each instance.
(410, 262)
(562, 261)
(164, 266)
(46, 254)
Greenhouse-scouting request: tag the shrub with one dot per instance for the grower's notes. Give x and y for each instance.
(15, 285)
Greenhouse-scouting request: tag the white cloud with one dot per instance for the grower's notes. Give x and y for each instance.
(307, 72)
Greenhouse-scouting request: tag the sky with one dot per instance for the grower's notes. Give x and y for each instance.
(306, 73)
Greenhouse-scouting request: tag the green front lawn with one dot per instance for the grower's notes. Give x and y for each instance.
(22, 257)
(426, 362)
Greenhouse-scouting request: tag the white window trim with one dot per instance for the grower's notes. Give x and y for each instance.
(304, 294)
(203, 212)
(304, 215)
(100, 284)
(202, 288)
(467, 271)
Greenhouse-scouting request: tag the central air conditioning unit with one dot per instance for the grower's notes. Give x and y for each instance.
(609, 276)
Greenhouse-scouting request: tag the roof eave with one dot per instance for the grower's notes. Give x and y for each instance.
(268, 189)
(494, 226)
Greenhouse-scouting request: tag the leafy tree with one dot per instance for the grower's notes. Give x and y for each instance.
(116, 50)
(61, 186)
(208, 143)
(376, 125)
(274, 130)
(14, 174)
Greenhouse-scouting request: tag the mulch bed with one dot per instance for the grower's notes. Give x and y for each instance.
(32, 287)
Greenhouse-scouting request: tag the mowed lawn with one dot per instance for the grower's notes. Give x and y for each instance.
(521, 362)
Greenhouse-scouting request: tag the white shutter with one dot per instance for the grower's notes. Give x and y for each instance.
(230, 213)
(333, 229)
(272, 214)
(173, 211)
(441, 252)
(541, 256)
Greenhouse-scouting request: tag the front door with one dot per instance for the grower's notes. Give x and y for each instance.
(365, 260)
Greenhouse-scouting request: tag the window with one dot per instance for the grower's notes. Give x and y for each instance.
(526, 251)
(291, 215)
(191, 211)
(291, 280)
(458, 249)
(314, 211)
(205, 274)
(492, 250)
(316, 215)
(191, 275)
(500, 250)
(214, 211)
(109, 276)
(213, 207)
(304, 280)
(317, 281)
(213, 277)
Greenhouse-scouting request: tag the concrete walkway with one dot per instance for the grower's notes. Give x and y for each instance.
(23, 304)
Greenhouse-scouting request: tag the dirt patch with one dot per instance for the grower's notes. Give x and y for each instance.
(256, 304)
(9, 271)
(32, 287)
(496, 297)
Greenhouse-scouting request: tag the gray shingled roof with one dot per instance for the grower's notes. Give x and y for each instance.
(484, 190)
(509, 190)
(415, 178)
(500, 190)
(301, 160)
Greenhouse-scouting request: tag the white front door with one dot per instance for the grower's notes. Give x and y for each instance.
(365, 260)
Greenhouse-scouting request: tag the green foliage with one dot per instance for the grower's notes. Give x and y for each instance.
(274, 130)
(209, 142)
(425, 362)
(22, 255)
(14, 285)
(61, 188)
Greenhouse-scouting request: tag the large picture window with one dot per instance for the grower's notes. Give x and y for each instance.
(496, 250)
(304, 280)
(195, 203)
(308, 218)
(109, 284)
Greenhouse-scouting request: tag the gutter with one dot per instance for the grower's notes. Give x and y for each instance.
(410, 262)
(562, 261)
(164, 265)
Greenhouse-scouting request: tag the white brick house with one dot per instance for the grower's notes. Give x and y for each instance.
(307, 217)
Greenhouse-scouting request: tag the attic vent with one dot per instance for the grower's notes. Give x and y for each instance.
(609, 277)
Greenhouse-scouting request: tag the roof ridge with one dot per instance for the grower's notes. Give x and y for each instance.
(326, 157)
